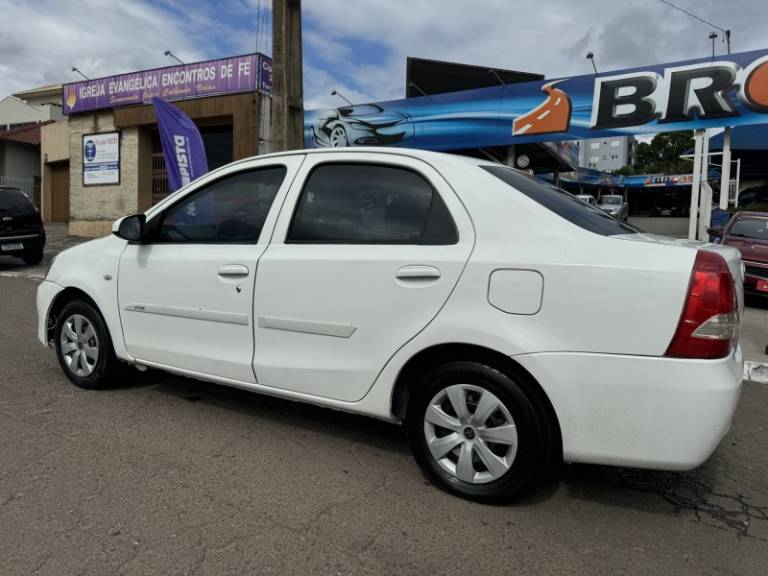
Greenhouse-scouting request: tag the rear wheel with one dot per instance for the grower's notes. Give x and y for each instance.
(33, 257)
(476, 433)
(84, 348)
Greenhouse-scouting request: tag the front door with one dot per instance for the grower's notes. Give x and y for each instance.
(186, 296)
(365, 253)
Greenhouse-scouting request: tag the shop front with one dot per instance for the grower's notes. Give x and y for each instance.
(116, 161)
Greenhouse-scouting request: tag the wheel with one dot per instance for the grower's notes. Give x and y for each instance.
(84, 348)
(476, 433)
(339, 137)
(32, 258)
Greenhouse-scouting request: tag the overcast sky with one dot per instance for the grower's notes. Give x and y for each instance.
(359, 46)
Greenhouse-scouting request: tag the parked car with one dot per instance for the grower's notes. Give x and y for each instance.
(464, 298)
(21, 228)
(615, 205)
(588, 198)
(748, 231)
(362, 125)
(672, 204)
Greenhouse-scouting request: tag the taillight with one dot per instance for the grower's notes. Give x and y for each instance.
(710, 321)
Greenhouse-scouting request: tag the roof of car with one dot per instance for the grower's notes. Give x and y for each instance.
(752, 214)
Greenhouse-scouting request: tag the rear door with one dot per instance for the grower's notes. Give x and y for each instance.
(366, 251)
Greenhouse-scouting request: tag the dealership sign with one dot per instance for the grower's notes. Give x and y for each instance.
(225, 76)
(705, 93)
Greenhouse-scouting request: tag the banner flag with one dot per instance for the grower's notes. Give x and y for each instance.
(182, 145)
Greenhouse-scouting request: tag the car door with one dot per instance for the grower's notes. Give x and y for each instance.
(366, 251)
(186, 295)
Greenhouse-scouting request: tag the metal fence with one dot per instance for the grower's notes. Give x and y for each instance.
(30, 185)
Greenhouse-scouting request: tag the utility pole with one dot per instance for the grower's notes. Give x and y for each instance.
(287, 84)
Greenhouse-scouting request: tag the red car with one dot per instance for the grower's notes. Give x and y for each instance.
(748, 231)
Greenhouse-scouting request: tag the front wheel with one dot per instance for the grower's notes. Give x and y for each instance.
(339, 137)
(84, 348)
(476, 433)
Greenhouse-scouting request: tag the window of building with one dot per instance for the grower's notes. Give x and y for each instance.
(356, 203)
(594, 145)
(230, 210)
(594, 159)
(615, 143)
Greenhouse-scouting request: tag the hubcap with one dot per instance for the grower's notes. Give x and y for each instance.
(470, 433)
(338, 138)
(79, 345)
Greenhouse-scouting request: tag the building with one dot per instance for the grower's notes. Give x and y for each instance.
(31, 107)
(22, 115)
(227, 98)
(606, 154)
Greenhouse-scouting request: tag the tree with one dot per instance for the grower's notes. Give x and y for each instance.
(662, 154)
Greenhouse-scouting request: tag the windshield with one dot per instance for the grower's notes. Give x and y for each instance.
(754, 229)
(13, 199)
(561, 202)
(616, 200)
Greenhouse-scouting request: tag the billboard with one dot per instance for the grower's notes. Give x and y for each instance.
(224, 76)
(704, 93)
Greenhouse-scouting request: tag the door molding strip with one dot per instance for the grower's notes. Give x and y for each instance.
(190, 313)
(307, 326)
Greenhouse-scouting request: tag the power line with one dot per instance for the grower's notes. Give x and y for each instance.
(726, 33)
(692, 15)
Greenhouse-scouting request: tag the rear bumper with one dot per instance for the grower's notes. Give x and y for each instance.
(30, 242)
(644, 412)
(46, 293)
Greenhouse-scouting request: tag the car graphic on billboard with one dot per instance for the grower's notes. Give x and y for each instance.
(361, 125)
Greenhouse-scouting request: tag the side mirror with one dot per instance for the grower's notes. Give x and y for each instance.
(715, 231)
(130, 228)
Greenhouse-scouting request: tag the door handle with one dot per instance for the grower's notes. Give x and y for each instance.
(418, 272)
(231, 270)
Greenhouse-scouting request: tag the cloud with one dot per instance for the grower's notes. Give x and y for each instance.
(360, 47)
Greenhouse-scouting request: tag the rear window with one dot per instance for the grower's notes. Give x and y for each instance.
(561, 203)
(611, 200)
(754, 229)
(13, 199)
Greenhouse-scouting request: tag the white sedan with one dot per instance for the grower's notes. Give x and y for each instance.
(510, 326)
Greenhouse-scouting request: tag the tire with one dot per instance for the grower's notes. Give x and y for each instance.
(467, 468)
(84, 347)
(33, 257)
(338, 137)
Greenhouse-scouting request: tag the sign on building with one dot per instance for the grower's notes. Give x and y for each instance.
(213, 77)
(101, 159)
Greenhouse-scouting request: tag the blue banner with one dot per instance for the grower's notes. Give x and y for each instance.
(703, 93)
(183, 147)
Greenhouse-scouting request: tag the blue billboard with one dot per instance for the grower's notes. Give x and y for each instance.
(704, 93)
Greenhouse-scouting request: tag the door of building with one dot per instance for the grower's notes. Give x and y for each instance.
(59, 192)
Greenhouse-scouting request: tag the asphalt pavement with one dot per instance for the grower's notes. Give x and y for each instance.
(169, 476)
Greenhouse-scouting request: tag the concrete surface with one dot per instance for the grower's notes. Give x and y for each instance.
(666, 226)
(168, 476)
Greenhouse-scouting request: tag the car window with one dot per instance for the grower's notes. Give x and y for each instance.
(611, 200)
(13, 199)
(360, 203)
(748, 228)
(561, 202)
(230, 210)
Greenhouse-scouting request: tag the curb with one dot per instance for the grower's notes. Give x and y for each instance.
(756, 372)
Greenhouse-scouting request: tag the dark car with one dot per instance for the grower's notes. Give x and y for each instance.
(21, 228)
(362, 125)
(748, 231)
